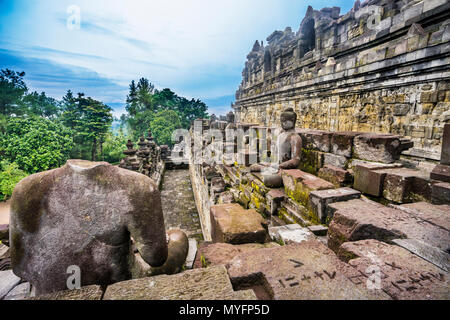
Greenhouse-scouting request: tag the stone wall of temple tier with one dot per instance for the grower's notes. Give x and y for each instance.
(201, 194)
(383, 67)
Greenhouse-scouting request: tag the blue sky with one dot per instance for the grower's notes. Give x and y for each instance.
(195, 47)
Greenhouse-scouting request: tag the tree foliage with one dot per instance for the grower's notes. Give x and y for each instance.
(163, 125)
(36, 144)
(144, 102)
(10, 175)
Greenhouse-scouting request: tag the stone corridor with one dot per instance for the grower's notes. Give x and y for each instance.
(179, 205)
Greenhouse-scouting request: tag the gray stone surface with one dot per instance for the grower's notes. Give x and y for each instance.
(440, 193)
(83, 214)
(20, 292)
(290, 233)
(198, 284)
(8, 280)
(361, 219)
(191, 254)
(300, 271)
(401, 274)
(178, 203)
(437, 257)
(320, 200)
(335, 160)
(318, 230)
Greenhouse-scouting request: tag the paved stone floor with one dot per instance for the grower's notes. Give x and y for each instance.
(179, 204)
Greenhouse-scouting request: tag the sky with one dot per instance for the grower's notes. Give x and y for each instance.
(197, 48)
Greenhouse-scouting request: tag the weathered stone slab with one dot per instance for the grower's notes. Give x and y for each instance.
(363, 219)
(342, 143)
(440, 193)
(20, 292)
(214, 254)
(192, 253)
(369, 178)
(403, 185)
(197, 284)
(319, 201)
(435, 214)
(337, 176)
(445, 153)
(433, 255)
(301, 271)
(274, 198)
(402, 275)
(92, 292)
(441, 173)
(233, 224)
(8, 280)
(377, 147)
(298, 184)
(291, 233)
(319, 230)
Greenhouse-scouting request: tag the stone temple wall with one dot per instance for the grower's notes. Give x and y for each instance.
(383, 67)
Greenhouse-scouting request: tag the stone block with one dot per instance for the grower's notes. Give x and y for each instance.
(320, 200)
(445, 153)
(298, 185)
(440, 193)
(315, 139)
(441, 173)
(290, 233)
(378, 148)
(337, 176)
(368, 179)
(431, 254)
(274, 199)
(342, 143)
(311, 160)
(335, 160)
(192, 252)
(93, 292)
(197, 284)
(404, 185)
(8, 280)
(362, 219)
(230, 223)
(300, 271)
(215, 254)
(435, 214)
(403, 275)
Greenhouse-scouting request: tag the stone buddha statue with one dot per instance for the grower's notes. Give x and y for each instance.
(289, 143)
(288, 149)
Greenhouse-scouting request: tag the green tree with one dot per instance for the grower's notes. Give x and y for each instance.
(12, 89)
(163, 125)
(36, 144)
(10, 175)
(42, 105)
(114, 147)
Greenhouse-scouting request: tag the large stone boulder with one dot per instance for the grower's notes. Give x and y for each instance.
(83, 214)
